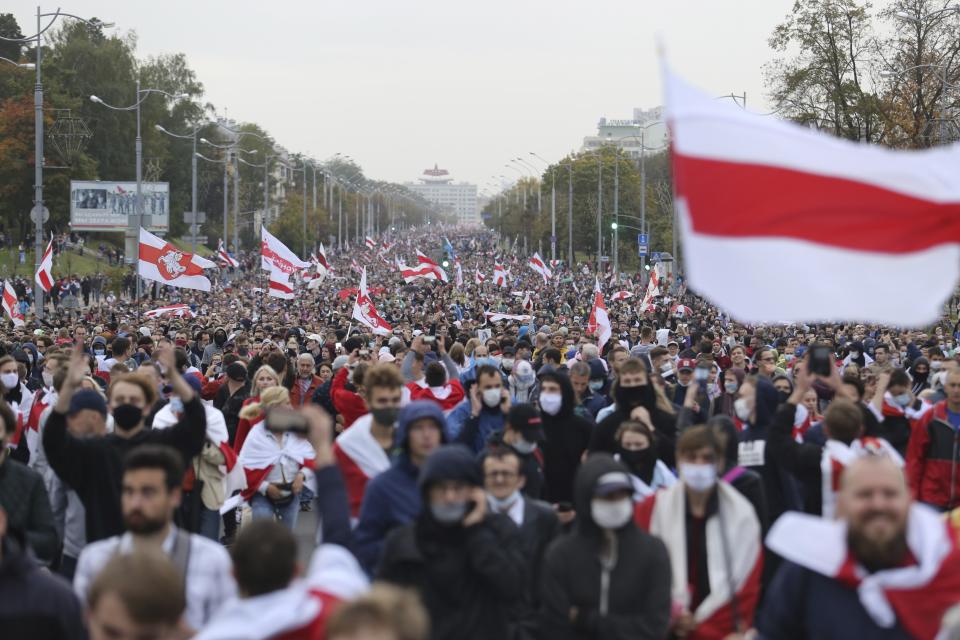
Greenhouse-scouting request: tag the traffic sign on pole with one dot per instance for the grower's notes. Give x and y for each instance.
(643, 249)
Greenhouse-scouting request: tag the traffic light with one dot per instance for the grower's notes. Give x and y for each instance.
(613, 225)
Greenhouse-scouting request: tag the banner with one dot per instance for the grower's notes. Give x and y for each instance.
(97, 205)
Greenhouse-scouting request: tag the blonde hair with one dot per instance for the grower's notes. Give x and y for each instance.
(270, 397)
(468, 348)
(265, 368)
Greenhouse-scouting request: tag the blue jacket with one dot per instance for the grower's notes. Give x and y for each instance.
(391, 499)
(473, 432)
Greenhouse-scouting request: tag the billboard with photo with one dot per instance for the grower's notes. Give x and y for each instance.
(97, 205)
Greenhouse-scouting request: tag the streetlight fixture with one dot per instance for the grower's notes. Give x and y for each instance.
(135, 222)
(233, 150)
(193, 178)
(39, 212)
(19, 65)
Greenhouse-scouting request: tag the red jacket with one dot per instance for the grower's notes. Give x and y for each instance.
(347, 403)
(244, 426)
(297, 397)
(932, 459)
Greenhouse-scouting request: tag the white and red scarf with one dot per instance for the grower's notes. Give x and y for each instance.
(915, 595)
(261, 451)
(837, 456)
(360, 458)
(664, 515)
(447, 397)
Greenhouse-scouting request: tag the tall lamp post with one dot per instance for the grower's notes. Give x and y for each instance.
(193, 179)
(38, 208)
(135, 222)
(234, 150)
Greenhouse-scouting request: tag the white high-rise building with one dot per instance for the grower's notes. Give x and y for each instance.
(626, 134)
(460, 198)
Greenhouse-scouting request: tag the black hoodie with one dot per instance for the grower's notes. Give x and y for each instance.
(571, 576)
(567, 437)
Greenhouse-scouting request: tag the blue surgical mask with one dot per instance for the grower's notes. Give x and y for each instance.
(595, 385)
(176, 405)
(479, 362)
(902, 399)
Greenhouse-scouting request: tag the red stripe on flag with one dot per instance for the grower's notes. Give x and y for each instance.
(152, 254)
(742, 200)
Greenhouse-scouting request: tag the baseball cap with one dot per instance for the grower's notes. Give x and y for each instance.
(611, 483)
(314, 338)
(686, 364)
(526, 419)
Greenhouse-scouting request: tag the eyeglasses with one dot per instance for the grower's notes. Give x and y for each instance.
(766, 360)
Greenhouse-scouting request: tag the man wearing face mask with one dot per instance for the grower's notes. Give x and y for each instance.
(538, 524)
(606, 579)
(473, 421)
(712, 534)
(215, 347)
(363, 451)
(522, 434)
(93, 466)
(15, 394)
(567, 436)
(463, 560)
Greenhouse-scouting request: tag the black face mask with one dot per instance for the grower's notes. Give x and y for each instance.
(385, 415)
(219, 340)
(640, 463)
(127, 416)
(630, 397)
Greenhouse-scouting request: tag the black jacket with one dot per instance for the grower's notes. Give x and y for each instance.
(571, 577)
(93, 467)
(540, 527)
(230, 406)
(468, 578)
(800, 459)
(24, 498)
(664, 429)
(34, 603)
(568, 436)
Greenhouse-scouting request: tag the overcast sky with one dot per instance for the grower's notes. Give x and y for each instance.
(402, 84)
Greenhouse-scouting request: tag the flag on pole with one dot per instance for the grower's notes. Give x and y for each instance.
(165, 263)
(622, 295)
(280, 286)
(371, 243)
(478, 277)
(275, 256)
(409, 274)
(459, 277)
(599, 324)
(681, 311)
(365, 313)
(653, 290)
(320, 258)
(536, 263)
(449, 248)
(437, 270)
(173, 310)
(224, 256)
(845, 223)
(44, 275)
(10, 304)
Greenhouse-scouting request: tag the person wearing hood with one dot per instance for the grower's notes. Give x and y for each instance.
(483, 413)
(93, 466)
(856, 355)
(920, 375)
(567, 436)
(392, 498)
(215, 347)
(464, 561)
(636, 450)
(606, 579)
(723, 404)
(712, 535)
(521, 381)
(33, 602)
(633, 388)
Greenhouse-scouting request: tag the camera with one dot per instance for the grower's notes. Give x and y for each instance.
(283, 419)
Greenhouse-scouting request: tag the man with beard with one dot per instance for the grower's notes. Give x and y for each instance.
(152, 477)
(886, 568)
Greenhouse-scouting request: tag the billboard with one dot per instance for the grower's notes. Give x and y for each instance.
(97, 205)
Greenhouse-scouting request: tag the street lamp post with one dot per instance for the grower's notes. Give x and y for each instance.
(38, 132)
(193, 183)
(553, 206)
(135, 222)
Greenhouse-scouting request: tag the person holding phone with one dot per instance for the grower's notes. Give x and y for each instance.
(484, 413)
(464, 560)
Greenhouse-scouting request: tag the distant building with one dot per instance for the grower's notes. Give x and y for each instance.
(460, 198)
(626, 133)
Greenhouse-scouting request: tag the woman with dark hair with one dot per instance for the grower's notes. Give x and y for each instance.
(723, 404)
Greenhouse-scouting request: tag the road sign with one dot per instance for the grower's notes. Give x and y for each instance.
(604, 258)
(655, 256)
(642, 239)
(198, 218)
(643, 249)
(42, 211)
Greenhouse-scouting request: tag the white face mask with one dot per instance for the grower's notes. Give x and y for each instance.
(551, 403)
(47, 379)
(741, 409)
(936, 365)
(501, 505)
(524, 447)
(491, 397)
(699, 477)
(10, 380)
(611, 515)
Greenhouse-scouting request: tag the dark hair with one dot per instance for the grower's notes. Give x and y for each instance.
(119, 346)
(854, 381)
(500, 452)
(180, 358)
(157, 456)
(264, 557)
(552, 353)
(278, 362)
(487, 370)
(843, 420)
(899, 378)
(8, 417)
(435, 375)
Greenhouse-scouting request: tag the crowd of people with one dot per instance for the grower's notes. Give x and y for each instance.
(473, 476)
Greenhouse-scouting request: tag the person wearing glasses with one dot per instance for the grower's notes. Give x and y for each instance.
(765, 362)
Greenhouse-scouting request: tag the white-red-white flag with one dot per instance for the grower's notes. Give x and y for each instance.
(537, 264)
(44, 275)
(320, 259)
(275, 256)
(499, 275)
(681, 311)
(365, 313)
(622, 295)
(423, 260)
(371, 243)
(653, 290)
(495, 316)
(478, 277)
(10, 304)
(845, 223)
(527, 303)
(599, 324)
(169, 265)
(173, 310)
(224, 256)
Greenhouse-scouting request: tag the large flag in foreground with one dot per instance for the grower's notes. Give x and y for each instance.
(365, 313)
(819, 228)
(169, 265)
